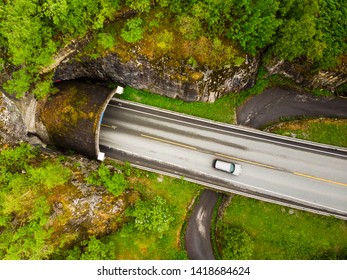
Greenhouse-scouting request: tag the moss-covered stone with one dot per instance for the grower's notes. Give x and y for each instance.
(72, 116)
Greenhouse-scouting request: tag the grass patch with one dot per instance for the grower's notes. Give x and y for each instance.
(323, 130)
(222, 110)
(282, 233)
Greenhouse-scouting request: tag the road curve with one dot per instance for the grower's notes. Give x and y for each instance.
(198, 235)
(278, 169)
(274, 103)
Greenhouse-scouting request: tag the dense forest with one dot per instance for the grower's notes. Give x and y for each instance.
(33, 31)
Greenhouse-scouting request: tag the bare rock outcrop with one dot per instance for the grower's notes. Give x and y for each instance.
(12, 126)
(175, 79)
(304, 75)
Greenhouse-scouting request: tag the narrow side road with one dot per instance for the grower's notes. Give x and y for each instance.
(198, 235)
(274, 103)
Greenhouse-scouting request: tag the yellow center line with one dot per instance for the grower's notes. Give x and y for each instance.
(168, 142)
(320, 179)
(109, 126)
(247, 161)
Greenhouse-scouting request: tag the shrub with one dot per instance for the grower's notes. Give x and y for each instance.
(152, 216)
(236, 243)
(17, 159)
(106, 41)
(113, 182)
(189, 27)
(95, 249)
(164, 40)
(133, 30)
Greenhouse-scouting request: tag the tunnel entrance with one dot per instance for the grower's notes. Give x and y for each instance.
(73, 116)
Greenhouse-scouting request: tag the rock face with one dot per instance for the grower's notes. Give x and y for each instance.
(165, 77)
(79, 209)
(19, 120)
(303, 75)
(12, 126)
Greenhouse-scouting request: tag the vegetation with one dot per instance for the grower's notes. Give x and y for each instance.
(204, 32)
(269, 231)
(152, 216)
(31, 32)
(237, 243)
(24, 207)
(327, 131)
(167, 200)
(115, 183)
(221, 110)
(31, 183)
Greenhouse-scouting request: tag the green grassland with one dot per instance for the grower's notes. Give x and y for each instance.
(279, 232)
(221, 110)
(323, 130)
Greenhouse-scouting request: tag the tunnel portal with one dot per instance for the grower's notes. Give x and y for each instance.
(73, 116)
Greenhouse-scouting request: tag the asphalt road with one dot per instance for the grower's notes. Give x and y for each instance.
(198, 235)
(274, 168)
(274, 103)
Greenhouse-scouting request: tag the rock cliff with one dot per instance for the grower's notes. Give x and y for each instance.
(164, 76)
(12, 126)
(303, 74)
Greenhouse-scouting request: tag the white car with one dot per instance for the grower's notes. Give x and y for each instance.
(229, 167)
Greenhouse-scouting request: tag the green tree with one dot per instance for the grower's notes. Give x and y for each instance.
(333, 25)
(254, 23)
(152, 216)
(236, 243)
(298, 35)
(31, 31)
(133, 30)
(139, 5)
(96, 249)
